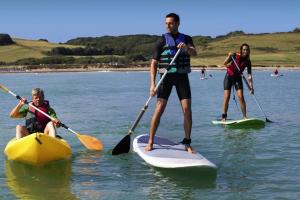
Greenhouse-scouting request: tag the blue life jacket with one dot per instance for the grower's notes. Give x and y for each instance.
(182, 63)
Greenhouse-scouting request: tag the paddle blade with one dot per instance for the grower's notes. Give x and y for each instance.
(4, 88)
(90, 142)
(123, 146)
(267, 120)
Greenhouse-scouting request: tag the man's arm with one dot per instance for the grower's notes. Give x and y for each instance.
(188, 47)
(153, 72)
(191, 50)
(154, 63)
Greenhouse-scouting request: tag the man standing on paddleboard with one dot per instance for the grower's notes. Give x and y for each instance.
(233, 77)
(165, 49)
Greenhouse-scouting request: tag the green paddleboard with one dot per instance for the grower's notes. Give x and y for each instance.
(241, 123)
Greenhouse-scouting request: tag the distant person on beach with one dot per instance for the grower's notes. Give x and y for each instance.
(233, 78)
(34, 120)
(165, 49)
(203, 73)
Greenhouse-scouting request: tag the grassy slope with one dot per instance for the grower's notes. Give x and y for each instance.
(26, 49)
(267, 49)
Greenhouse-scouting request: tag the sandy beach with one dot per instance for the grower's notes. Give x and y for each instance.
(85, 68)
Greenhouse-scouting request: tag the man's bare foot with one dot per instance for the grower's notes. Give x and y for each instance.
(189, 149)
(149, 147)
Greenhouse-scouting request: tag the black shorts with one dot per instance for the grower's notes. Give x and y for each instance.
(229, 81)
(180, 81)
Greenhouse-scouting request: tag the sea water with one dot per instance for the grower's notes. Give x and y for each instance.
(252, 164)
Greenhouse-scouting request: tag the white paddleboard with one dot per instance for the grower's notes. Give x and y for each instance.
(167, 154)
(241, 123)
(276, 75)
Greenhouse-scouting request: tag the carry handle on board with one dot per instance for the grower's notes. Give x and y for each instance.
(124, 145)
(89, 142)
(248, 85)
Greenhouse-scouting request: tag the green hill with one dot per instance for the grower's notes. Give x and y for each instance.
(266, 49)
(120, 45)
(22, 49)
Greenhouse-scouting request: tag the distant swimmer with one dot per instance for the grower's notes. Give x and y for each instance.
(276, 73)
(203, 74)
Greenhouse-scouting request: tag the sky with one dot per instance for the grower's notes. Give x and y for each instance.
(62, 20)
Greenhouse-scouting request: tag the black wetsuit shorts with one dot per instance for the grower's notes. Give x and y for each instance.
(229, 81)
(180, 81)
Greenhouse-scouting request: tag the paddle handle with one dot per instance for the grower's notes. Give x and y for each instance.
(143, 110)
(52, 118)
(69, 129)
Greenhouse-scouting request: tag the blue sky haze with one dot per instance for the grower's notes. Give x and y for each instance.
(61, 20)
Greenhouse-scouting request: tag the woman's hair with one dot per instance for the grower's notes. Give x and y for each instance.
(244, 44)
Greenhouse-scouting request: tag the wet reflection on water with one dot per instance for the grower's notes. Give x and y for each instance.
(238, 160)
(48, 182)
(180, 183)
(87, 171)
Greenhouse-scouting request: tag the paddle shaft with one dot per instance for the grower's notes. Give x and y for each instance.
(52, 118)
(233, 90)
(248, 85)
(143, 110)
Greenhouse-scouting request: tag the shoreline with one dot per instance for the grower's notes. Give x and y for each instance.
(8, 70)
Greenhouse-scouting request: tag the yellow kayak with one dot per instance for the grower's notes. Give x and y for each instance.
(37, 149)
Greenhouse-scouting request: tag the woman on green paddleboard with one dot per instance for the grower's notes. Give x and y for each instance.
(233, 77)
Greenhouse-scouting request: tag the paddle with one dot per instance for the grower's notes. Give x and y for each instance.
(246, 81)
(234, 98)
(124, 145)
(89, 142)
